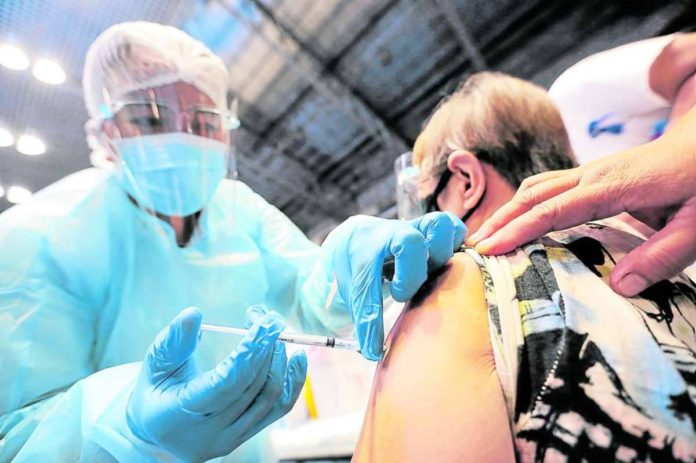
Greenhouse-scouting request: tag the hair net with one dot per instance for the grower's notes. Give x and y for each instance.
(132, 56)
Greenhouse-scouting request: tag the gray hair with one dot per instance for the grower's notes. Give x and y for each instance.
(506, 122)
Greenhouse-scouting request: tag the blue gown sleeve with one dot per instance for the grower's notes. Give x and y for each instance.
(54, 274)
(295, 267)
(53, 407)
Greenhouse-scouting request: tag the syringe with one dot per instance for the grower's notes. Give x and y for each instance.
(293, 338)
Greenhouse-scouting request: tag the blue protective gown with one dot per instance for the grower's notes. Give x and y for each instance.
(87, 280)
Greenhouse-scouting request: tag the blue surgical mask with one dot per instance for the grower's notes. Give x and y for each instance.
(174, 174)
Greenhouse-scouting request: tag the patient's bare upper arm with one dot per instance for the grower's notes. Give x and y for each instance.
(436, 393)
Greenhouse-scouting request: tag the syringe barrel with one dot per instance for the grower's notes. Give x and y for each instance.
(305, 339)
(346, 344)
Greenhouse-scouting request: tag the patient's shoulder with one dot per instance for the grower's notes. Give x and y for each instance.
(436, 391)
(459, 274)
(452, 302)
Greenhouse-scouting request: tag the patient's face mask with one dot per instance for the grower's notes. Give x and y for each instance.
(172, 148)
(417, 192)
(430, 201)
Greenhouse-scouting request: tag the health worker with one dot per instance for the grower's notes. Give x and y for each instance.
(102, 261)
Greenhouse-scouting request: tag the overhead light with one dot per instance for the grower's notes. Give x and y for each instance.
(2, 191)
(48, 71)
(13, 58)
(17, 194)
(6, 138)
(235, 123)
(30, 145)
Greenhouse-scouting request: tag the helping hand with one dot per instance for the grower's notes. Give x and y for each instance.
(359, 247)
(655, 182)
(202, 415)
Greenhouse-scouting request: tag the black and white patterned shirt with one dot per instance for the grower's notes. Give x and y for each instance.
(589, 375)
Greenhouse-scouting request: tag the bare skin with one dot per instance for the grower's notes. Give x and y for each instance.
(436, 392)
(684, 100)
(675, 63)
(672, 75)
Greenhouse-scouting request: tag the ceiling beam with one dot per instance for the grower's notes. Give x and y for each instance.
(264, 153)
(327, 207)
(466, 41)
(299, 56)
(329, 199)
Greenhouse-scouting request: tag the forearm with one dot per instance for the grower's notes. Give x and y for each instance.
(85, 423)
(678, 147)
(684, 100)
(675, 63)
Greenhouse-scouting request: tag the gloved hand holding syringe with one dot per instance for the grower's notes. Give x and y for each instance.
(386, 259)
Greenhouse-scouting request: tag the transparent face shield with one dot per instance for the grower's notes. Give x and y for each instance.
(416, 193)
(170, 147)
(408, 203)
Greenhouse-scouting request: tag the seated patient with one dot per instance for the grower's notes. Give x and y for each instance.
(528, 356)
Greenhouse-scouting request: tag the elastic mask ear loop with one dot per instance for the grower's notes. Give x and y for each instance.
(468, 213)
(431, 199)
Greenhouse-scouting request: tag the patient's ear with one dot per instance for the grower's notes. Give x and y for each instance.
(468, 178)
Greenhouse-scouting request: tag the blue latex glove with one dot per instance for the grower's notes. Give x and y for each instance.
(198, 415)
(357, 250)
